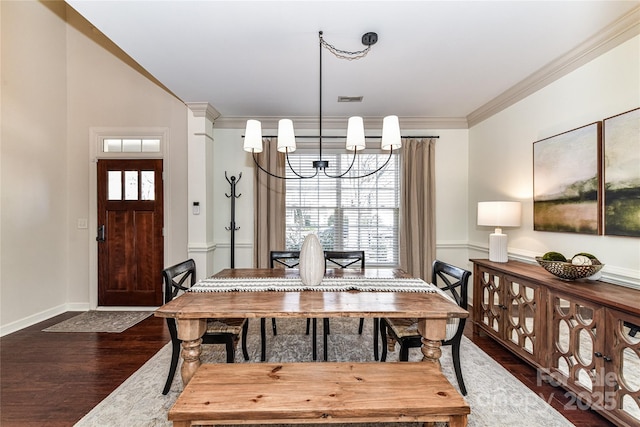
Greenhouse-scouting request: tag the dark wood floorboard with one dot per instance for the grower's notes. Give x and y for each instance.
(54, 379)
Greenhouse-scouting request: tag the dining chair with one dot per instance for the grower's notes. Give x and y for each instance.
(178, 279)
(341, 259)
(285, 259)
(282, 259)
(453, 281)
(345, 259)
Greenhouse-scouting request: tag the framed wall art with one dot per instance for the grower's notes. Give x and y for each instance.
(566, 181)
(622, 174)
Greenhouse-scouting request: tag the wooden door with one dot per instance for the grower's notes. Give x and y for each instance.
(130, 240)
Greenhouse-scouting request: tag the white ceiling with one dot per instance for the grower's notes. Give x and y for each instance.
(433, 59)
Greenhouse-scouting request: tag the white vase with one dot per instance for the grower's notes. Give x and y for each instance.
(311, 261)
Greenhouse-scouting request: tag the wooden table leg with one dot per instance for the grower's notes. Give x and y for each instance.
(458, 421)
(190, 332)
(433, 331)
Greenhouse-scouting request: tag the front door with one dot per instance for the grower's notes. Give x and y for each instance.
(130, 240)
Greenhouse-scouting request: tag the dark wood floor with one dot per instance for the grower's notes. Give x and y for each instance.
(54, 379)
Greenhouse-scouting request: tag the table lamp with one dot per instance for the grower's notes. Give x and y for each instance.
(498, 215)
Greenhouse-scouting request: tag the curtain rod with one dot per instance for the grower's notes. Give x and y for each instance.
(338, 136)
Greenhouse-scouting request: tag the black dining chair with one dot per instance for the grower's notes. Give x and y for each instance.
(340, 259)
(345, 259)
(179, 278)
(454, 282)
(283, 259)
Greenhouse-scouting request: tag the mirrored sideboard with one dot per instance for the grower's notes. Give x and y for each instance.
(582, 335)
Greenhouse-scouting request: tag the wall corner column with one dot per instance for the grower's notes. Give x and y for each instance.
(200, 186)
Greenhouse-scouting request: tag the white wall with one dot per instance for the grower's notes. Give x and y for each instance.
(105, 92)
(501, 156)
(58, 83)
(229, 156)
(451, 195)
(34, 226)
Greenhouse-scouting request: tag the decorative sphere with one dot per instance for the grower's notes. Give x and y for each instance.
(581, 260)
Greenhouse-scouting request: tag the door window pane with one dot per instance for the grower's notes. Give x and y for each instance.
(131, 185)
(147, 185)
(115, 185)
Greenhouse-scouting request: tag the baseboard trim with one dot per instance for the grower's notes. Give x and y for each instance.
(32, 320)
(41, 317)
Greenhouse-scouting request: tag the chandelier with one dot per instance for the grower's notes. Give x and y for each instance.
(355, 139)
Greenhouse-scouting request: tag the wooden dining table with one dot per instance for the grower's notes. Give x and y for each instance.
(192, 309)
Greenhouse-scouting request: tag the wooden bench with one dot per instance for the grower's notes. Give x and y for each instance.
(303, 393)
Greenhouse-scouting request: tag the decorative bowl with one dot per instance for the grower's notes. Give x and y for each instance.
(568, 271)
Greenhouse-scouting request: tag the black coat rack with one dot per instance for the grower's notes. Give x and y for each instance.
(232, 226)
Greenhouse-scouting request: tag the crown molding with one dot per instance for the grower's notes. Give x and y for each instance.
(417, 123)
(203, 109)
(311, 122)
(621, 30)
(625, 28)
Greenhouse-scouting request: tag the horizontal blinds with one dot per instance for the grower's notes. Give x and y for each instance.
(346, 214)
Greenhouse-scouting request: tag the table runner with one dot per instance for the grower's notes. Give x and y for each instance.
(329, 284)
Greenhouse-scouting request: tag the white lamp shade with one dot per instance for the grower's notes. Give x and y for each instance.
(286, 136)
(391, 133)
(499, 214)
(355, 134)
(253, 137)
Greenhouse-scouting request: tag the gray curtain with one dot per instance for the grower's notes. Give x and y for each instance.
(417, 207)
(269, 204)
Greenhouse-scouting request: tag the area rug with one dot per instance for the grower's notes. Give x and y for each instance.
(100, 321)
(495, 396)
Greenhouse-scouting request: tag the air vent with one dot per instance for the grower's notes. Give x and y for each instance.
(349, 99)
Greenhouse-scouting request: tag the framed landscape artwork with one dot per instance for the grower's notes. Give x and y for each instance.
(622, 174)
(566, 181)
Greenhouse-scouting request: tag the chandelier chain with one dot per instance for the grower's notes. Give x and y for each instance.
(345, 54)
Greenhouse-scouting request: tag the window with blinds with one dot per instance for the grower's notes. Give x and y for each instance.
(346, 214)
